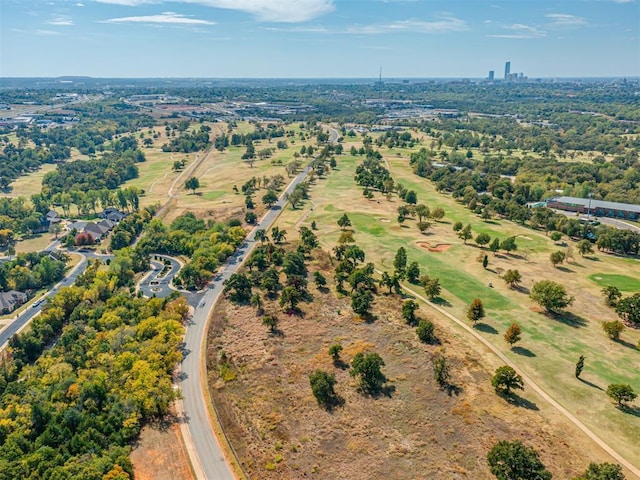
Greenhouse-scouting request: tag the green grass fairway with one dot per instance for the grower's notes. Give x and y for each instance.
(550, 345)
(624, 283)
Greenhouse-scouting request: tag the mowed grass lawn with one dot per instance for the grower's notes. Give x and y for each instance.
(622, 282)
(551, 345)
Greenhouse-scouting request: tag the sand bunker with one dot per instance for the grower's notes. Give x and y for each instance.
(385, 220)
(438, 247)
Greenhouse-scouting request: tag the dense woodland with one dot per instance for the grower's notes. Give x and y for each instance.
(69, 408)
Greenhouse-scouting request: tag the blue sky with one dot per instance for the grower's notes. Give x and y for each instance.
(319, 38)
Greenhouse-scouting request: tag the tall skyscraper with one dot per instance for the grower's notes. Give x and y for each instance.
(492, 75)
(507, 70)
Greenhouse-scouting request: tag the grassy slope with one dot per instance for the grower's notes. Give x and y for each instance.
(550, 346)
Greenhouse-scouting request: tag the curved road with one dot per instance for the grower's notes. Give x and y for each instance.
(204, 450)
(206, 456)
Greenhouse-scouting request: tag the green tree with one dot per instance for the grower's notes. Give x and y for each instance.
(613, 329)
(261, 235)
(270, 198)
(270, 321)
(506, 379)
(437, 213)
(483, 239)
(411, 197)
(557, 258)
(495, 245)
(457, 226)
(512, 335)
(611, 295)
(550, 295)
(628, 309)
(367, 367)
(465, 234)
(441, 370)
(192, 184)
(400, 262)
(475, 312)
(319, 279)
(621, 393)
(344, 222)
(361, 301)
(512, 278)
(290, 298)
(238, 287)
(585, 247)
(413, 272)
(509, 244)
(516, 461)
(432, 287)
(602, 471)
(422, 211)
(423, 226)
(409, 308)
(425, 331)
(580, 366)
(322, 386)
(556, 236)
(485, 261)
(334, 351)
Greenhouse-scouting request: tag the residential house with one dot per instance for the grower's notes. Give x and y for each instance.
(113, 214)
(11, 300)
(99, 230)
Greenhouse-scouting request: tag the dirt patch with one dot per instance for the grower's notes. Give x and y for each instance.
(280, 432)
(160, 455)
(436, 247)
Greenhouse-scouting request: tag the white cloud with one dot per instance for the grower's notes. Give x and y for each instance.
(442, 24)
(565, 20)
(521, 30)
(286, 11)
(79, 4)
(46, 32)
(163, 18)
(60, 21)
(623, 1)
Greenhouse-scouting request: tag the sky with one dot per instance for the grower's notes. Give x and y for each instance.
(319, 38)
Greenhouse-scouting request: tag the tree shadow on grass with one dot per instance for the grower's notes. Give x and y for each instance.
(453, 390)
(518, 401)
(331, 404)
(383, 391)
(486, 328)
(629, 409)
(324, 290)
(342, 365)
(591, 384)
(565, 269)
(592, 258)
(568, 318)
(525, 352)
(441, 302)
(624, 343)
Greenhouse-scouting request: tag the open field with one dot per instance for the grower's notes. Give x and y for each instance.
(218, 173)
(550, 346)
(30, 184)
(417, 431)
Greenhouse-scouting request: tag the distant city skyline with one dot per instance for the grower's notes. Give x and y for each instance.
(319, 38)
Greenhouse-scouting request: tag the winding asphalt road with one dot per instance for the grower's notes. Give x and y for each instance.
(204, 450)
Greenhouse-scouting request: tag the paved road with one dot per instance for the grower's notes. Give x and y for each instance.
(207, 459)
(160, 287)
(26, 316)
(622, 225)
